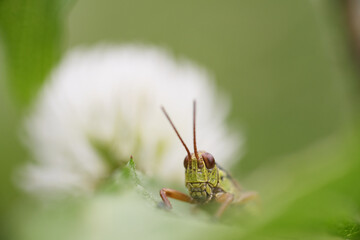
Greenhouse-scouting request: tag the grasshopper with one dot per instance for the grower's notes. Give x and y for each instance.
(204, 179)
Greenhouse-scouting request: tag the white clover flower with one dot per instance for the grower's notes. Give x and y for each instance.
(102, 105)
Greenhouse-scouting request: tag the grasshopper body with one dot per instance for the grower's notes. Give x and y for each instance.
(205, 180)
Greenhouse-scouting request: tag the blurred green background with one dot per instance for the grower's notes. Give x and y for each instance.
(286, 66)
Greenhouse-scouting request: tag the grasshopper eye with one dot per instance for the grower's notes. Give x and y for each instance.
(186, 161)
(209, 160)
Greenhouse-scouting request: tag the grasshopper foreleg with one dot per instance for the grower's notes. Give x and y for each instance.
(246, 196)
(167, 193)
(226, 199)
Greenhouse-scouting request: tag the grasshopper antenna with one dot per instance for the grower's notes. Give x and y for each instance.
(177, 133)
(194, 129)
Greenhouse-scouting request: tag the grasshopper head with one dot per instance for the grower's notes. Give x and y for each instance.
(200, 168)
(201, 175)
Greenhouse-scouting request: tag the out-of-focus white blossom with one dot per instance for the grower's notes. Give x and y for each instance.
(105, 101)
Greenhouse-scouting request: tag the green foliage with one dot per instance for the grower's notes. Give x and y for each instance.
(125, 178)
(272, 59)
(348, 229)
(32, 33)
(306, 195)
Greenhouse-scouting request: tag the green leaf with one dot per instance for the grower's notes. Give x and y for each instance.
(125, 178)
(31, 31)
(130, 171)
(310, 194)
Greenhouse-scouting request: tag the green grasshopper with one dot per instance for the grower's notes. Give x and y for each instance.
(204, 179)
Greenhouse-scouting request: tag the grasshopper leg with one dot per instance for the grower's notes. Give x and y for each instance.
(246, 196)
(167, 193)
(225, 199)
